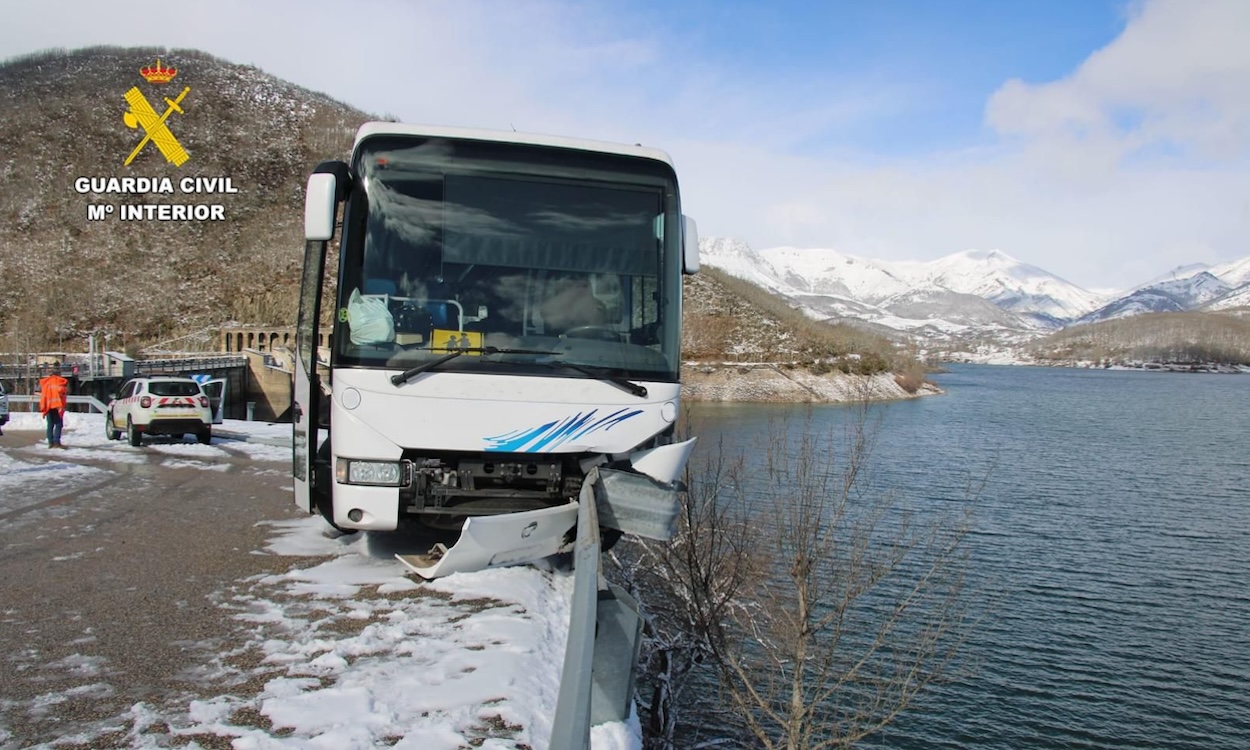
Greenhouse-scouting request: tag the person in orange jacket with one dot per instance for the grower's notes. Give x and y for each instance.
(53, 398)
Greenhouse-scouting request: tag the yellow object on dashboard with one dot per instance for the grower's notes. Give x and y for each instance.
(449, 341)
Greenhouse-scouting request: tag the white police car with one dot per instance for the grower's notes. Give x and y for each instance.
(159, 405)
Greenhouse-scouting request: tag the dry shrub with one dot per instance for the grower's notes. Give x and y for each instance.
(911, 377)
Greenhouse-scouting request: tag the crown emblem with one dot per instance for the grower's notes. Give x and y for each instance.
(158, 74)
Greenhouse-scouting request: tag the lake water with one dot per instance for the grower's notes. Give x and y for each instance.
(1115, 522)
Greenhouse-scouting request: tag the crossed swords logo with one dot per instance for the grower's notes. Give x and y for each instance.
(142, 114)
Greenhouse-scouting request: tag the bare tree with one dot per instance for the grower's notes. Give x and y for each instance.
(821, 605)
(686, 584)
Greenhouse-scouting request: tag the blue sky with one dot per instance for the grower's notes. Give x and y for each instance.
(1107, 141)
(942, 59)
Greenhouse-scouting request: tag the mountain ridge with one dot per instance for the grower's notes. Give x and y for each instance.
(947, 298)
(1181, 294)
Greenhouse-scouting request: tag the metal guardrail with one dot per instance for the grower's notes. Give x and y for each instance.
(190, 363)
(92, 401)
(115, 368)
(605, 622)
(570, 728)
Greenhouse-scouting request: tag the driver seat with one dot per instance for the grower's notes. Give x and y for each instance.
(572, 305)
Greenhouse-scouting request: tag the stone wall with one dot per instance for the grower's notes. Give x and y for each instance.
(238, 339)
(269, 382)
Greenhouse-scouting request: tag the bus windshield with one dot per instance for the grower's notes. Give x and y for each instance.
(475, 246)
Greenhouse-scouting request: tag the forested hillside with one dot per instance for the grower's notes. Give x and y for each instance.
(62, 119)
(728, 318)
(1189, 337)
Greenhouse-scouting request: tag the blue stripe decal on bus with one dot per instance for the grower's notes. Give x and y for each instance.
(552, 435)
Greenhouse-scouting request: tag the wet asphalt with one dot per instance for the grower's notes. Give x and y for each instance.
(110, 594)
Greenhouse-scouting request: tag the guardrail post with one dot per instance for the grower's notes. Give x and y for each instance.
(618, 636)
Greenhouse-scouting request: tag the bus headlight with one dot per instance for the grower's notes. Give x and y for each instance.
(376, 473)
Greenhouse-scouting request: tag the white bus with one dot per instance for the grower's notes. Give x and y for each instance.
(506, 314)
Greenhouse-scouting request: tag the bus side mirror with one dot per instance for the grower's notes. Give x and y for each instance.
(320, 208)
(327, 185)
(689, 245)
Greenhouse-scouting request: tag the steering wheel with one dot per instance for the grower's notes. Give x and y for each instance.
(598, 333)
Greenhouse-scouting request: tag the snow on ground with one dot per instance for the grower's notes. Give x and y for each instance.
(25, 482)
(357, 654)
(988, 355)
(260, 441)
(348, 650)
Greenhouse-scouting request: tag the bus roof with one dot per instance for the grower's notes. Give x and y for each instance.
(507, 136)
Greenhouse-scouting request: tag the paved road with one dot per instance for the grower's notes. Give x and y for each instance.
(109, 591)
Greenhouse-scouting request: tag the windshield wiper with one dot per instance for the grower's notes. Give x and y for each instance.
(625, 385)
(409, 374)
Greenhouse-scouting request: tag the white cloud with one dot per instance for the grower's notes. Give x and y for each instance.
(1177, 76)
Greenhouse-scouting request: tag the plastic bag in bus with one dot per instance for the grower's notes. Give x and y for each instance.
(371, 322)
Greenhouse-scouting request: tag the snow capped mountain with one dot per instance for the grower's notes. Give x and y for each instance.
(1195, 290)
(1180, 272)
(822, 271)
(934, 302)
(1138, 303)
(736, 258)
(880, 295)
(957, 284)
(1239, 297)
(1235, 273)
(1175, 295)
(970, 294)
(793, 271)
(1010, 284)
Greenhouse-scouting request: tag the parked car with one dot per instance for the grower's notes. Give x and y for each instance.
(159, 405)
(4, 406)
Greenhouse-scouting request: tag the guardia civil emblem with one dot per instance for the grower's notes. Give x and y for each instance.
(155, 128)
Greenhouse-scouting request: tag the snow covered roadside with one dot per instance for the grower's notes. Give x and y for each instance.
(345, 649)
(354, 654)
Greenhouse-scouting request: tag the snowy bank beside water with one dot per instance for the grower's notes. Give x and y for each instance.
(1006, 358)
(770, 383)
